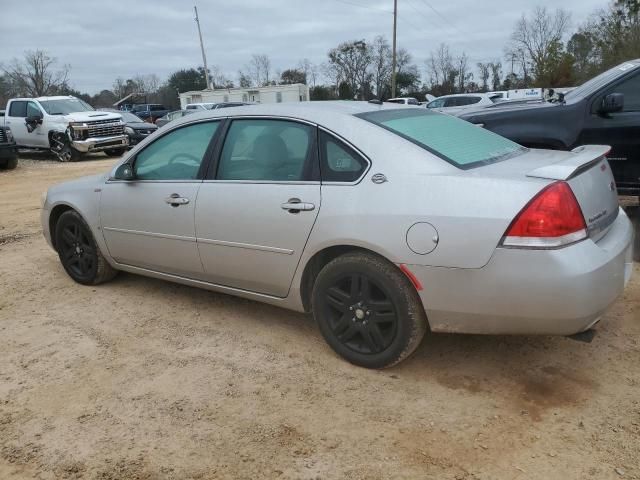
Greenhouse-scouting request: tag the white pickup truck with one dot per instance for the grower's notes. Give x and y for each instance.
(65, 125)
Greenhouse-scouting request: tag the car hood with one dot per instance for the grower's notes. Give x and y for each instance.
(91, 116)
(505, 107)
(142, 125)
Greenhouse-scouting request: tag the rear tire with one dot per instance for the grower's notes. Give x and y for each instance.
(115, 152)
(367, 310)
(78, 251)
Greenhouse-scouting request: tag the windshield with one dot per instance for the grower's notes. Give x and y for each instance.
(458, 142)
(600, 81)
(129, 117)
(65, 106)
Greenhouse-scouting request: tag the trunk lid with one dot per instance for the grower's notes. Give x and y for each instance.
(589, 175)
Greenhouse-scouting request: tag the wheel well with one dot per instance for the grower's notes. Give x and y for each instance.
(55, 214)
(317, 263)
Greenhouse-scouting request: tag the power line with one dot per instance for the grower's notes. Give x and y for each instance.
(446, 20)
(365, 6)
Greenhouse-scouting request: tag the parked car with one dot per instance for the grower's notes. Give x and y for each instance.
(230, 104)
(200, 106)
(65, 125)
(605, 110)
(173, 116)
(404, 101)
(135, 128)
(453, 104)
(149, 112)
(308, 207)
(8, 150)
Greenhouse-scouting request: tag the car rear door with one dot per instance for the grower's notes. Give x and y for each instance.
(256, 210)
(620, 130)
(148, 222)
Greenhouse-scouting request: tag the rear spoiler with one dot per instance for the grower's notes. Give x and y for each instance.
(582, 158)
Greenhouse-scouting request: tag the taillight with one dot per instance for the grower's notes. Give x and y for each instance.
(551, 219)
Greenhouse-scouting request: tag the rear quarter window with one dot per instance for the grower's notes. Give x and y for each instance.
(454, 140)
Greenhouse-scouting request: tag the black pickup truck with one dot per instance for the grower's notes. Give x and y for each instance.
(149, 112)
(605, 110)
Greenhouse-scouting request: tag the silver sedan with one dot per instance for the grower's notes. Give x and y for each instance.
(385, 222)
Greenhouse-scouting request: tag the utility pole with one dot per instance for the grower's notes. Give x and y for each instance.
(204, 57)
(393, 66)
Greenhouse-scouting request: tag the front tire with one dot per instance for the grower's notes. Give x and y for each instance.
(10, 164)
(367, 310)
(115, 152)
(78, 251)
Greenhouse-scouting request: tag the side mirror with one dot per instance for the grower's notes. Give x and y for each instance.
(34, 120)
(614, 102)
(124, 172)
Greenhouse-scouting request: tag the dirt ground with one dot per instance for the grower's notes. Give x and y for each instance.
(143, 379)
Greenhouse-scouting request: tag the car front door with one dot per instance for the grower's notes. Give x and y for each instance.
(32, 135)
(621, 130)
(148, 222)
(256, 210)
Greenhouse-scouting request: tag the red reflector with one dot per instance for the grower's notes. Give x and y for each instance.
(554, 212)
(411, 276)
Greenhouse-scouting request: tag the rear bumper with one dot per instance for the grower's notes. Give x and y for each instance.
(99, 144)
(519, 291)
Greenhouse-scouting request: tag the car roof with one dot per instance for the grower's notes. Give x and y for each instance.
(311, 111)
(463, 95)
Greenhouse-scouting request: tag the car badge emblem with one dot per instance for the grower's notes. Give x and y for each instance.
(379, 178)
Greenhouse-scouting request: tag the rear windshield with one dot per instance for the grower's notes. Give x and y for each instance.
(458, 142)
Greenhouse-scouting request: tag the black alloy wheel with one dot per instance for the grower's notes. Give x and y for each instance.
(367, 310)
(78, 251)
(360, 313)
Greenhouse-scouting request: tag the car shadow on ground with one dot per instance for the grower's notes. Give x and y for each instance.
(541, 372)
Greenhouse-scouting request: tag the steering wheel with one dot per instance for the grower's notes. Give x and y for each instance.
(190, 158)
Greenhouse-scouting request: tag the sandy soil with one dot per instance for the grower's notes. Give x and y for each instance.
(142, 379)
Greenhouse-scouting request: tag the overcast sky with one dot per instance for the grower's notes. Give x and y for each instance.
(107, 39)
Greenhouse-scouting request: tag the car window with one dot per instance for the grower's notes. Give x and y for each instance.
(155, 108)
(451, 102)
(18, 109)
(455, 141)
(631, 90)
(192, 107)
(33, 110)
(275, 150)
(339, 162)
(395, 100)
(176, 155)
(439, 103)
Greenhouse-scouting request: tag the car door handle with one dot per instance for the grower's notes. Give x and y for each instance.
(175, 200)
(294, 205)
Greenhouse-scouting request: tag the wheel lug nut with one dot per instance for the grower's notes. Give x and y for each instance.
(353, 319)
(350, 308)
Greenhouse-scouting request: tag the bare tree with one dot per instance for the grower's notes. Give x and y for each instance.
(462, 70)
(537, 38)
(496, 74)
(441, 70)
(259, 70)
(35, 75)
(380, 52)
(311, 71)
(484, 75)
(219, 79)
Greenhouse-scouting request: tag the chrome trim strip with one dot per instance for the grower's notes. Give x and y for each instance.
(248, 246)
(150, 234)
(265, 182)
